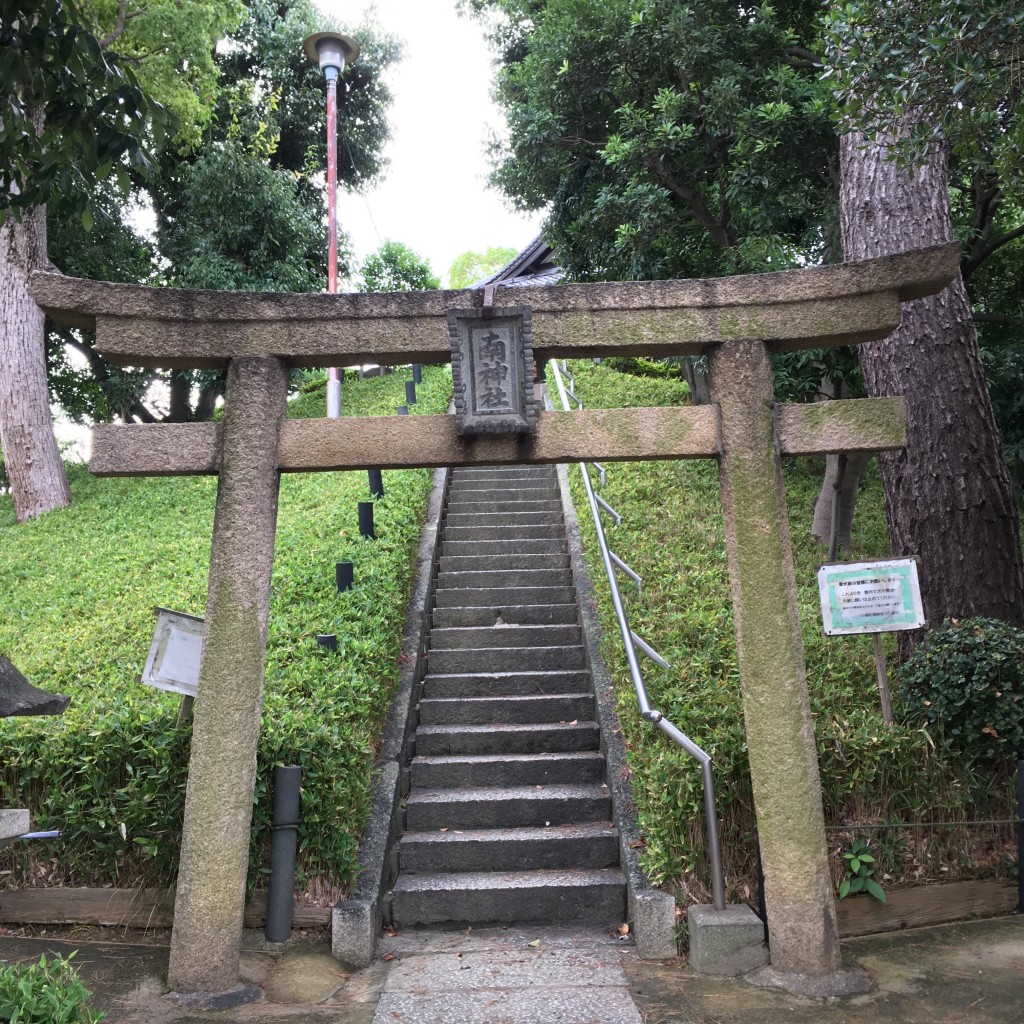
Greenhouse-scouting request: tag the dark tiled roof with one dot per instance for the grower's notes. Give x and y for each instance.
(537, 264)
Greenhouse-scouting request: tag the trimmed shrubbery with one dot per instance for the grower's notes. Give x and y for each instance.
(48, 991)
(77, 592)
(966, 682)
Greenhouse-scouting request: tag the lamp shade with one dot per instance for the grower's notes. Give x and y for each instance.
(330, 50)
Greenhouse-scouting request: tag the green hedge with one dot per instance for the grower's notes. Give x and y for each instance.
(672, 534)
(77, 592)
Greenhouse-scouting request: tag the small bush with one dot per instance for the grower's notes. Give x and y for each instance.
(47, 992)
(967, 678)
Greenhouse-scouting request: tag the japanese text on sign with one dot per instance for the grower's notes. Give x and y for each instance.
(870, 597)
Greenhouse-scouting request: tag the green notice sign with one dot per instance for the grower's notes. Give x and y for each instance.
(870, 597)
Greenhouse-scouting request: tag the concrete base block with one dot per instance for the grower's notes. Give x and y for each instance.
(654, 924)
(355, 926)
(729, 941)
(851, 981)
(13, 823)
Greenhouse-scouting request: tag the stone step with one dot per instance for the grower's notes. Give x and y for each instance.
(558, 707)
(508, 659)
(476, 597)
(515, 614)
(507, 522)
(578, 766)
(546, 737)
(505, 635)
(506, 806)
(551, 546)
(580, 896)
(504, 684)
(587, 845)
(461, 473)
(488, 532)
(505, 578)
(488, 490)
(501, 562)
(499, 506)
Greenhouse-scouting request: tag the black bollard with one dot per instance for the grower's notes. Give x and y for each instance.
(366, 520)
(343, 575)
(410, 392)
(328, 640)
(284, 837)
(376, 483)
(403, 410)
(417, 373)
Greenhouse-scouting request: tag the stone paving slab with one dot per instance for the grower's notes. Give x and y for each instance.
(519, 1006)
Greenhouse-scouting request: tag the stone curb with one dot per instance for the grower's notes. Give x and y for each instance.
(357, 922)
(651, 911)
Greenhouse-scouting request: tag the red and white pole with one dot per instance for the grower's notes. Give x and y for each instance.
(333, 374)
(332, 51)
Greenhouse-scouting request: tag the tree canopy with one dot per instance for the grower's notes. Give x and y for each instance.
(394, 267)
(665, 140)
(469, 267)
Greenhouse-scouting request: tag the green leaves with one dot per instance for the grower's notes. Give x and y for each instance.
(48, 991)
(858, 864)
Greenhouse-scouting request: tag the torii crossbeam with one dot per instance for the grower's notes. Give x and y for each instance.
(737, 322)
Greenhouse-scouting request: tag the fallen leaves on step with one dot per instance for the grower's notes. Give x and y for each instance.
(535, 943)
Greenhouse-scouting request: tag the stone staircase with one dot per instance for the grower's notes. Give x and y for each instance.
(508, 818)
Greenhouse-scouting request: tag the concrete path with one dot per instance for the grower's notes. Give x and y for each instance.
(971, 973)
(507, 976)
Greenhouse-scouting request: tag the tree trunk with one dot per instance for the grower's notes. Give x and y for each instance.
(697, 377)
(34, 467)
(948, 495)
(821, 528)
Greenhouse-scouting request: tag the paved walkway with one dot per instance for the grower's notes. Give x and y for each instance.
(970, 973)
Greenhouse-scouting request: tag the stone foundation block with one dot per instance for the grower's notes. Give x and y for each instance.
(654, 924)
(13, 823)
(355, 925)
(729, 941)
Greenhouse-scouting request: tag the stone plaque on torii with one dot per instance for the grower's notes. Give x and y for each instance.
(737, 322)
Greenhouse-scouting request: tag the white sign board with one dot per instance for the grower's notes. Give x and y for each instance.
(870, 597)
(173, 662)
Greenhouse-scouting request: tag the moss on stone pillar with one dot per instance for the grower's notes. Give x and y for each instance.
(208, 910)
(776, 706)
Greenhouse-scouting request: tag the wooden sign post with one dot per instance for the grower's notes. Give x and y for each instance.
(736, 322)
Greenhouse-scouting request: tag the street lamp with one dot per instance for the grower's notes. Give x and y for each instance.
(332, 51)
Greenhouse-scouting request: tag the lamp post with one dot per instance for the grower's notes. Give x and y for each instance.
(332, 51)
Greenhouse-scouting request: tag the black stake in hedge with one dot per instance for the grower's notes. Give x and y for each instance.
(366, 520)
(417, 373)
(403, 410)
(376, 483)
(343, 575)
(410, 392)
(328, 640)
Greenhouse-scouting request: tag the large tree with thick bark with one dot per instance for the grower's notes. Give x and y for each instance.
(952, 88)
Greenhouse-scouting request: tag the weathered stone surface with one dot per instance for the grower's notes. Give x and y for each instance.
(653, 914)
(19, 697)
(210, 900)
(729, 941)
(776, 705)
(13, 823)
(799, 308)
(852, 425)
(393, 442)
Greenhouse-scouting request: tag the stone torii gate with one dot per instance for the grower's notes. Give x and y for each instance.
(737, 322)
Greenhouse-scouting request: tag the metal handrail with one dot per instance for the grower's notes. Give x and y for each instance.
(647, 712)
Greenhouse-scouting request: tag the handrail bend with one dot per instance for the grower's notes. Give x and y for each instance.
(648, 713)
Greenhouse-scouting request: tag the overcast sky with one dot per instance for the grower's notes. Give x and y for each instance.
(434, 197)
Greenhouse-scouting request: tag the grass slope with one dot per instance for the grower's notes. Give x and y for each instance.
(672, 534)
(77, 592)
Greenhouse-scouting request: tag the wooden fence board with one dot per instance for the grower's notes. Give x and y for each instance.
(125, 908)
(926, 905)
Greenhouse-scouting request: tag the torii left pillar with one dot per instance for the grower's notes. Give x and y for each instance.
(214, 859)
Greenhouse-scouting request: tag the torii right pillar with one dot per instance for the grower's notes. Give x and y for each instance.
(779, 727)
